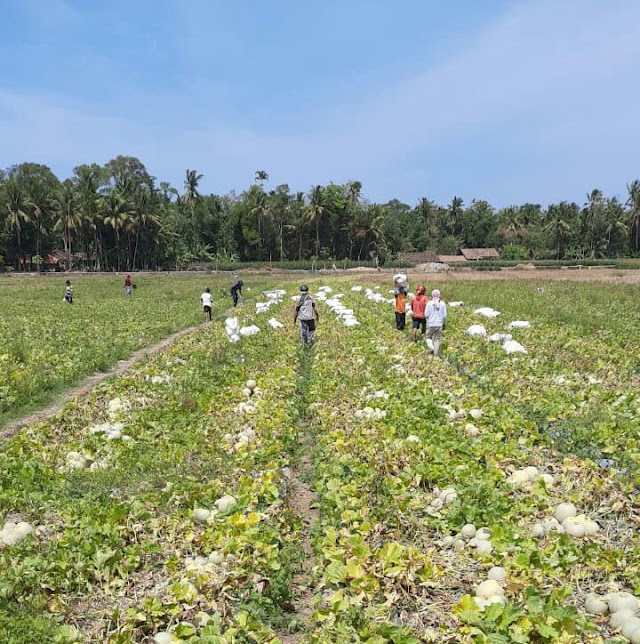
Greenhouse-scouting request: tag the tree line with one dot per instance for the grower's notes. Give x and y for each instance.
(118, 217)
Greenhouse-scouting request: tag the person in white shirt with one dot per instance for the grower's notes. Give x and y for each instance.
(436, 316)
(205, 298)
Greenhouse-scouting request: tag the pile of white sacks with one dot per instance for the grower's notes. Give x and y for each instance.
(273, 297)
(342, 313)
(505, 339)
(234, 331)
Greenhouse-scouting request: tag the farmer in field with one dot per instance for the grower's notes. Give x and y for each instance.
(436, 316)
(127, 285)
(418, 306)
(306, 310)
(236, 290)
(401, 300)
(205, 298)
(68, 293)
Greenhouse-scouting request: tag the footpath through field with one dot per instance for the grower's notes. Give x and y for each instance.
(88, 383)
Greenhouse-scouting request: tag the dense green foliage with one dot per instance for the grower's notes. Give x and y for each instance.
(117, 216)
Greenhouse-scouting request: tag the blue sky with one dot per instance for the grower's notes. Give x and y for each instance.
(510, 101)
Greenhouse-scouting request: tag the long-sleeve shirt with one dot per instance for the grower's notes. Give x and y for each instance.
(436, 314)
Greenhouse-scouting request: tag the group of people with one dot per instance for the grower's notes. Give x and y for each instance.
(68, 289)
(207, 299)
(429, 316)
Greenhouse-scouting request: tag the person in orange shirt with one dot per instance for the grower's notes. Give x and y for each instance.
(418, 306)
(401, 301)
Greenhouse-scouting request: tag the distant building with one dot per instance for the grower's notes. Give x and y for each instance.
(476, 254)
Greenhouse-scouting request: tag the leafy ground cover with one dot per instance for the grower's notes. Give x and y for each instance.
(160, 505)
(46, 345)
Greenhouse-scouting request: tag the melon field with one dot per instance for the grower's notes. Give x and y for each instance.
(358, 490)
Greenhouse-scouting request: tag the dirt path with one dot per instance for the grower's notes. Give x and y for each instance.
(300, 500)
(14, 426)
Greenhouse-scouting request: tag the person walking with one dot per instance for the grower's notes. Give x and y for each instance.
(68, 292)
(235, 291)
(418, 306)
(436, 316)
(306, 310)
(127, 285)
(205, 298)
(401, 302)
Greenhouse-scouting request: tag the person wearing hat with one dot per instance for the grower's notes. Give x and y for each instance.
(418, 306)
(436, 315)
(236, 290)
(306, 310)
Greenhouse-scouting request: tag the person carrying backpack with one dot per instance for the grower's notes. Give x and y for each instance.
(436, 316)
(306, 310)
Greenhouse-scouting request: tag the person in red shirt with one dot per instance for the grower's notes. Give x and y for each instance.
(127, 284)
(418, 306)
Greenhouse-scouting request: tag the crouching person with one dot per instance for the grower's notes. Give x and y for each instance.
(306, 310)
(436, 317)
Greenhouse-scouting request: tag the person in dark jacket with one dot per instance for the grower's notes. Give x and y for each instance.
(306, 310)
(236, 291)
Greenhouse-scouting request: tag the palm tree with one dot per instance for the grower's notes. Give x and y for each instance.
(354, 190)
(142, 217)
(41, 203)
(117, 212)
(615, 222)
(261, 176)
(592, 218)
(633, 202)
(88, 206)
(316, 211)
(258, 209)
(298, 220)
(68, 218)
(191, 194)
(455, 213)
(190, 197)
(558, 225)
(16, 206)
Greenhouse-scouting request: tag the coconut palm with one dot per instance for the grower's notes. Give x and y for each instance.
(88, 202)
(191, 196)
(261, 176)
(316, 211)
(298, 220)
(558, 226)
(633, 202)
(455, 211)
(16, 207)
(117, 212)
(68, 217)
